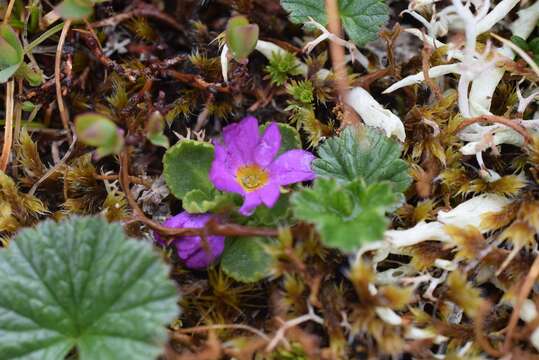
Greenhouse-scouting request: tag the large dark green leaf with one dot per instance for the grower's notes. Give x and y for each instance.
(81, 283)
(365, 153)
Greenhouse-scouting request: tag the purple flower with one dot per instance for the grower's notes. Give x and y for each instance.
(189, 248)
(247, 164)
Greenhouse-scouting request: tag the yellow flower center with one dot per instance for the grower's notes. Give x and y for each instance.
(251, 177)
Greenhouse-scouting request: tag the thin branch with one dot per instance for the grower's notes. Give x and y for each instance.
(519, 51)
(132, 179)
(527, 286)
(142, 11)
(426, 53)
(9, 10)
(8, 127)
(280, 334)
(479, 331)
(206, 328)
(496, 119)
(55, 168)
(57, 78)
(338, 59)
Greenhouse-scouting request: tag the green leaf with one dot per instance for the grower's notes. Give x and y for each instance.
(186, 167)
(365, 153)
(34, 77)
(81, 283)
(534, 45)
(198, 202)
(75, 9)
(362, 19)
(11, 52)
(346, 215)
(246, 260)
(290, 138)
(520, 42)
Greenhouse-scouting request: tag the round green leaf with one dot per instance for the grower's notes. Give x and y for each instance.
(365, 153)
(246, 260)
(186, 167)
(81, 283)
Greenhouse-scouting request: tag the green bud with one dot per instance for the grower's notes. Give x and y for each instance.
(28, 106)
(96, 130)
(154, 130)
(241, 37)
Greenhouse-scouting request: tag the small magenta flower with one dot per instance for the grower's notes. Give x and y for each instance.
(247, 164)
(190, 248)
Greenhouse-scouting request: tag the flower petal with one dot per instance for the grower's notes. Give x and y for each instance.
(189, 248)
(200, 258)
(250, 202)
(268, 146)
(269, 194)
(242, 138)
(291, 167)
(223, 171)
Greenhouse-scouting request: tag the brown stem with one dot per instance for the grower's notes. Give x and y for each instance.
(426, 52)
(479, 332)
(57, 62)
(196, 81)
(211, 228)
(8, 127)
(132, 179)
(92, 43)
(527, 286)
(337, 58)
(496, 119)
(143, 10)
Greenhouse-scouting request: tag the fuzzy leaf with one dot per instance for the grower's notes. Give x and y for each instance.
(362, 19)
(346, 215)
(290, 138)
(81, 283)
(186, 167)
(363, 153)
(246, 260)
